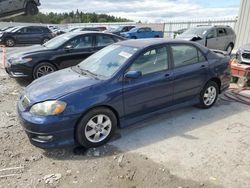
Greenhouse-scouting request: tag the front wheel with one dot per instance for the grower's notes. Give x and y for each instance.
(209, 95)
(96, 127)
(43, 69)
(9, 42)
(230, 49)
(31, 9)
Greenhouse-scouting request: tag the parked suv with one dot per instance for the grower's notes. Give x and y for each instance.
(10, 7)
(213, 37)
(26, 35)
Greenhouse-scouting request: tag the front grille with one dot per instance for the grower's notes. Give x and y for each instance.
(246, 55)
(25, 102)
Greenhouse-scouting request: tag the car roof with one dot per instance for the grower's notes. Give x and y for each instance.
(76, 33)
(144, 43)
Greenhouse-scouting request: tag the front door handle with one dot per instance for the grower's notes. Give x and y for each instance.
(203, 66)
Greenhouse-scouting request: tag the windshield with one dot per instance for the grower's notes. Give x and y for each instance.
(113, 29)
(133, 30)
(196, 31)
(56, 42)
(107, 61)
(12, 29)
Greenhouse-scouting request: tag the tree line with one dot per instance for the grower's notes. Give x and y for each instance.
(64, 18)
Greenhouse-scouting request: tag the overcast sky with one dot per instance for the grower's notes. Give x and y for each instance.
(148, 10)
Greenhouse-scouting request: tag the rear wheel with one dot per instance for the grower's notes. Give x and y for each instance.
(209, 95)
(31, 9)
(230, 48)
(96, 127)
(9, 42)
(43, 69)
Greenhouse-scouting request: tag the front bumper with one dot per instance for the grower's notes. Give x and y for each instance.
(18, 70)
(48, 131)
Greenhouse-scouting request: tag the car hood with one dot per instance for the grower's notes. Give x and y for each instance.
(125, 33)
(186, 37)
(27, 51)
(58, 84)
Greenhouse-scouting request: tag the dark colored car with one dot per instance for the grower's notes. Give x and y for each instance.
(26, 35)
(14, 7)
(121, 84)
(63, 51)
(121, 29)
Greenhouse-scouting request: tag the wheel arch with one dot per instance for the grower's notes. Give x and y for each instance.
(217, 81)
(9, 37)
(95, 107)
(43, 61)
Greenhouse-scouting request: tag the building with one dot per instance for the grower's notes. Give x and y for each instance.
(243, 24)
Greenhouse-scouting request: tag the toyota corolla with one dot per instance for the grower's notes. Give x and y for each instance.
(118, 86)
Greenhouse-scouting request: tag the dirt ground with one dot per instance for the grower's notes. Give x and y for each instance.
(187, 148)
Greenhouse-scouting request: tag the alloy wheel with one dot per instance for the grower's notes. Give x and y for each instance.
(44, 70)
(98, 128)
(210, 96)
(10, 43)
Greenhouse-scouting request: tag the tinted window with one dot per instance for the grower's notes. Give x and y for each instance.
(81, 42)
(104, 40)
(186, 55)
(221, 32)
(34, 30)
(151, 61)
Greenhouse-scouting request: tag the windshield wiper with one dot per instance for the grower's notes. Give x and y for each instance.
(85, 72)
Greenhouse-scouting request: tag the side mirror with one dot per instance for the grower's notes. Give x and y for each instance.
(68, 48)
(133, 74)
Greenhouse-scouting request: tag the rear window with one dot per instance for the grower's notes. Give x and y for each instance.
(185, 55)
(230, 31)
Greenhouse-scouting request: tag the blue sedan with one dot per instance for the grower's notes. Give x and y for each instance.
(122, 84)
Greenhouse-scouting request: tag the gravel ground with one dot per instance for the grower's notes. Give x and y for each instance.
(184, 148)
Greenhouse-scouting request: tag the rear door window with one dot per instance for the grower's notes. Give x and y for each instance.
(31, 30)
(221, 32)
(104, 40)
(81, 42)
(186, 55)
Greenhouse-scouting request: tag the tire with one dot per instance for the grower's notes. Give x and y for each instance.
(43, 69)
(93, 136)
(9, 42)
(45, 40)
(157, 36)
(31, 9)
(133, 37)
(230, 48)
(209, 95)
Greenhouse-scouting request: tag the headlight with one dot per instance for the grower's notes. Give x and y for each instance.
(1, 34)
(20, 60)
(48, 108)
